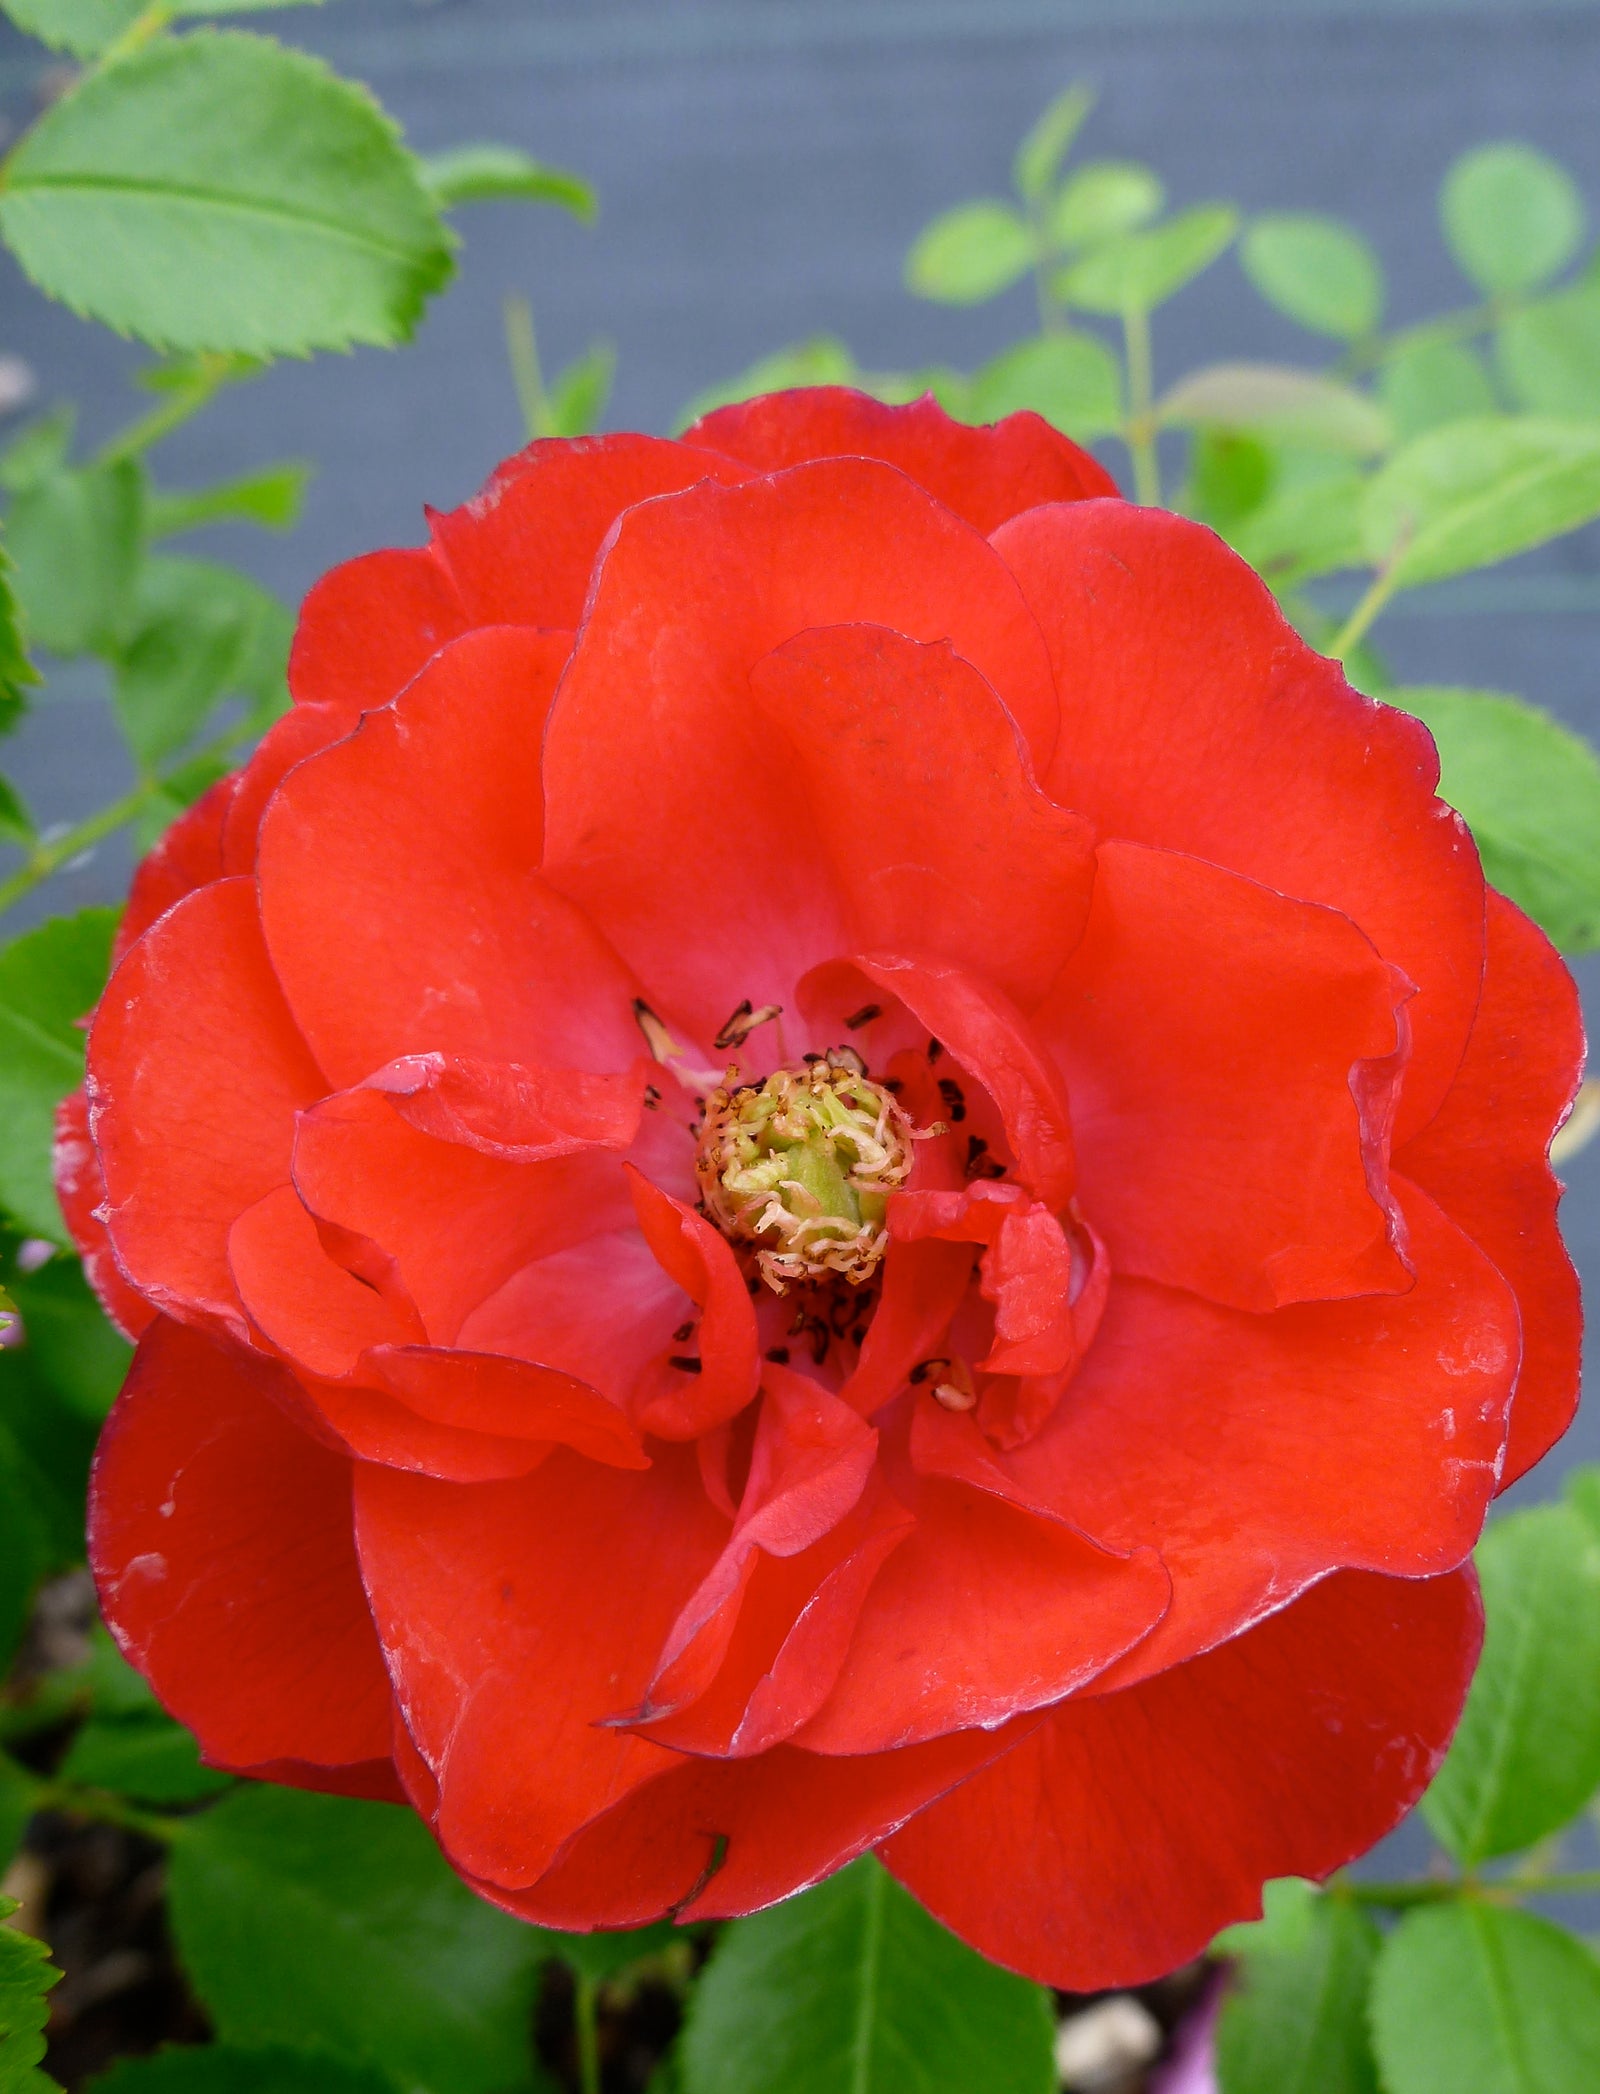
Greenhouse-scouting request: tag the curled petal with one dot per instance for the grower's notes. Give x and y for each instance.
(678, 1402)
(81, 1189)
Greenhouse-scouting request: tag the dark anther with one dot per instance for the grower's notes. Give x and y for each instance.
(818, 1333)
(684, 1330)
(935, 1049)
(652, 1097)
(893, 1086)
(977, 1149)
(743, 1023)
(753, 1287)
(955, 1103)
(864, 1016)
(685, 1362)
(656, 1036)
(779, 1355)
(858, 1337)
(921, 1371)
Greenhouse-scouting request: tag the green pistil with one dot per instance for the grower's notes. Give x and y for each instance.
(801, 1168)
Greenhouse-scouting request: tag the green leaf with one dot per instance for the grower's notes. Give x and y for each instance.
(1104, 199)
(1071, 379)
(16, 673)
(1142, 270)
(854, 1986)
(1526, 1757)
(579, 395)
(1548, 353)
(603, 1956)
(1311, 528)
(86, 27)
(162, 197)
(1431, 383)
(1280, 404)
(151, 1759)
(1230, 477)
(68, 1338)
(1582, 1493)
(823, 360)
(1477, 492)
(1320, 271)
(16, 823)
(75, 538)
(199, 633)
(222, 2068)
(295, 1912)
(1471, 1998)
(473, 174)
(1512, 217)
(271, 498)
(1050, 140)
(24, 1559)
(1530, 791)
(1296, 2022)
(49, 979)
(972, 253)
(26, 1976)
(39, 450)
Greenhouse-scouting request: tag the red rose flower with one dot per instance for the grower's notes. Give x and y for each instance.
(828, 1153)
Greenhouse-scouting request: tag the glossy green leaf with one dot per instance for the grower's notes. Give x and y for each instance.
(1431, 383)
(86, 27)
(198, 633)
(1526, 1757)
(271, 498)
(854, 1986)
(17, 825)
(295, 1912)
(1103, 199)
(1049, 141)
(68, 1338)
(1320, 271)
(475, 174)
(1304, 530)
(1471, 1998)
(16, 674)
(1230, 477)
(49, 979)
(972, 253)
(1530, 790)
(1475, 493)
(224, 2068)
(1512, 217)
(1142, 270)
(1548, 353)
(1071, 379)
(1281, 404)
(75, 541)
(579, 395)
(159, 197)
(150, 1758)
(26, 1976)
(823, 360)
(1295, 2021)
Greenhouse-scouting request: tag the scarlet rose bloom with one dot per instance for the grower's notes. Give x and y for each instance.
(828, 1153)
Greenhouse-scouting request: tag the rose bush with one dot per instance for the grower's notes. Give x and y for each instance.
(1148, 1096)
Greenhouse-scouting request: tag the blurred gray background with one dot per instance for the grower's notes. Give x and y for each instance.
(762, 166)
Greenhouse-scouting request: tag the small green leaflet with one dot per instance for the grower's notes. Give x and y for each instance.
(969, 254)
(1530, 791)
(49, 979)
(1282, 405)
(1511, 216)
(1296, 2020)
(854, 1986)
(16, 673)
(152, 1759)
(24, 1559)
(70, 1342)
(1472, 1998)
(1103, 199)
(1140, 271)
(86, 27)
(1071, 379)
(472, 174)
(1548, 353)
(1473, 493)
(158, 197)
(1050, 140)
(295, 1912)
(26, 1976)
(223, 2068)
(198, 633)
(579, 392)
(1312, 527)
(270, 497)
(1429, 383)
(75, 537)
(1319, 271)
(1526, 1757)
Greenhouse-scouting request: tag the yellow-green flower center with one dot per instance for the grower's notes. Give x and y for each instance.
(801, 1168)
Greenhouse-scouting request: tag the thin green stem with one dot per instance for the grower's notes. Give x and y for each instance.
(1140, 433)
(522, 352)
(585, 2000)
(1362, 619)
(1463, 325)
(148, 430)
(1400, 1897)
(47, 858)
(105, 1809)
(138, 33)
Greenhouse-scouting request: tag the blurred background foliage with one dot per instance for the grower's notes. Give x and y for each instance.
(228, 201)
